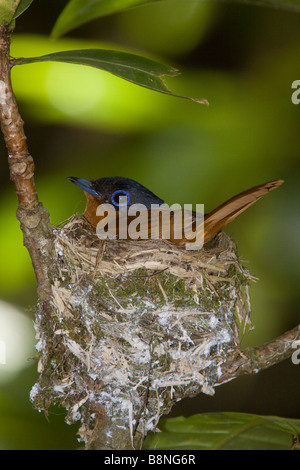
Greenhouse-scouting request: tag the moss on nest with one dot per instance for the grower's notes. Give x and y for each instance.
(137, 326)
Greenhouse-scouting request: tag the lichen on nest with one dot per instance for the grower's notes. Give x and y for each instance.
(137, 325)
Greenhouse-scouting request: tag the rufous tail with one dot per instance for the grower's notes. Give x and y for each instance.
(225, 213)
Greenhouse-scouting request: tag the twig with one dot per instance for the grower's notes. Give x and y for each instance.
(34, 219)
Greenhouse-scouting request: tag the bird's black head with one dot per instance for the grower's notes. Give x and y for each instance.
(109, 190)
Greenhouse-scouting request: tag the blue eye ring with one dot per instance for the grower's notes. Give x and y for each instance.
(120, 192)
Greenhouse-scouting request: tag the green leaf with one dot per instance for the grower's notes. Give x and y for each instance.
(78, 12)
(135, 69)
(225, 431)
(7, 10)
(23, 5)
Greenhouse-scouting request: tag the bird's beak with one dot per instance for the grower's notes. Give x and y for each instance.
(84, 184)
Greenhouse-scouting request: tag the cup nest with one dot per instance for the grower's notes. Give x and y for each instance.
(137, 325)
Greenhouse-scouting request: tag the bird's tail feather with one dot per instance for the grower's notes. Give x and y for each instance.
(229, 210)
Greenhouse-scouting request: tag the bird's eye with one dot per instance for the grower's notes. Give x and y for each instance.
(118, 198)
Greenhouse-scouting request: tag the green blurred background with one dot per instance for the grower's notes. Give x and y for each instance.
(83, 122)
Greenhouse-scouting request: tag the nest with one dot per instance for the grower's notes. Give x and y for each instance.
(137, 326)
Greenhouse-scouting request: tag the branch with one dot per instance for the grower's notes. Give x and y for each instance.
(34, 218)
(253, 360)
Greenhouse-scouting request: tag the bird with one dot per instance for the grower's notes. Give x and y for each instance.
(118, 191)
